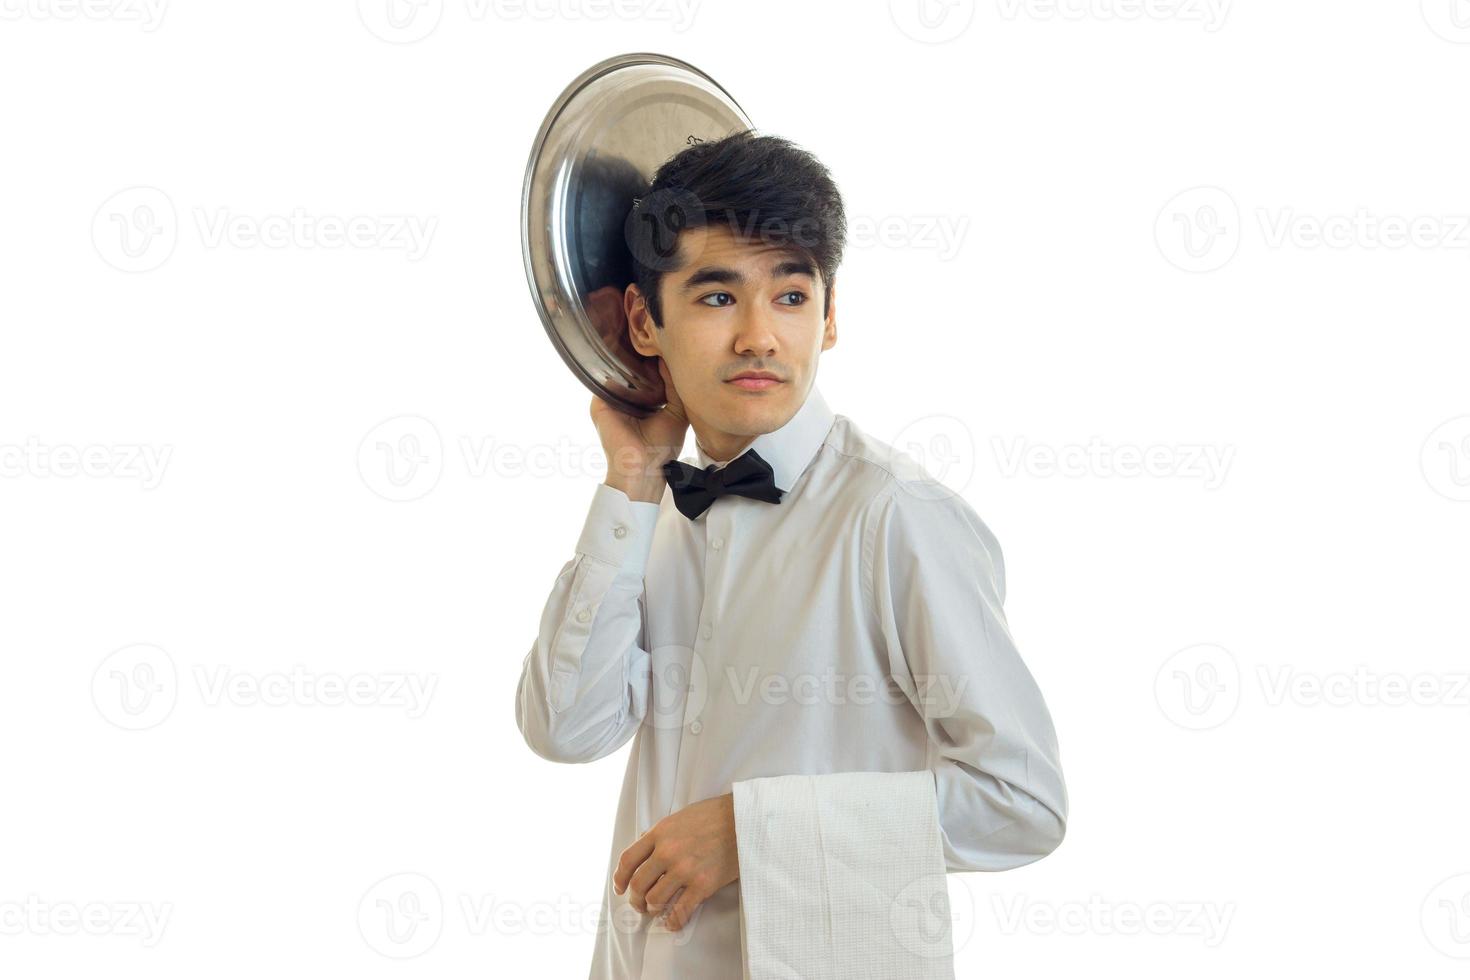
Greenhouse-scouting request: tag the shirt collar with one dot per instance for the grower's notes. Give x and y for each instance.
(790, 448)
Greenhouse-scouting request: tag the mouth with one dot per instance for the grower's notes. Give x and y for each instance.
(754, 381)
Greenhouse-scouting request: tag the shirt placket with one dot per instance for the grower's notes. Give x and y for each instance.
(716, 525)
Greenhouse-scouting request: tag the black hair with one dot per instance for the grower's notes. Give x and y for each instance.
(766, 188)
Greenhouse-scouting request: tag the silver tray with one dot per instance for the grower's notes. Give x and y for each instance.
(595, 155)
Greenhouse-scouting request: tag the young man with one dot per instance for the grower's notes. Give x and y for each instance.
(803, 601)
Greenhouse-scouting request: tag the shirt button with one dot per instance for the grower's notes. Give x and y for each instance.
(621, 531)
(583, 616)
(708, 629)
(717, 543)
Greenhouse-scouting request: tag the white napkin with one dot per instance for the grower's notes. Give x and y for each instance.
(842, 876)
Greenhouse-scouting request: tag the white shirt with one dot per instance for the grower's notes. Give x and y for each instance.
(856, 625)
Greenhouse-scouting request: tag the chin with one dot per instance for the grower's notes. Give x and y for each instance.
(749, 414)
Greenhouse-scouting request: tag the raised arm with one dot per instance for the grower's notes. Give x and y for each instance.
(584, 686)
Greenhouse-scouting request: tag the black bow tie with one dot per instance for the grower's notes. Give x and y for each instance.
(747, 475)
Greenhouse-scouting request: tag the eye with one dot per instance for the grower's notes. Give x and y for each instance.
(712, 295)
(801, 297)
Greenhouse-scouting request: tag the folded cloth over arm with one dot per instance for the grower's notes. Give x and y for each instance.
(842, 875)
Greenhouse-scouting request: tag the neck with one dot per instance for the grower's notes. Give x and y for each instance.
(722, 446)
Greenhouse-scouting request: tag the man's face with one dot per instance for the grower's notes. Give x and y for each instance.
(736, 305)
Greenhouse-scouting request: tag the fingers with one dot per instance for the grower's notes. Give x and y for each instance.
(684, 907)
(662, 893)
(643, 879)
(633, 855)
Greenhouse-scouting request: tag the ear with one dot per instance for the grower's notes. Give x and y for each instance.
(641, 331)
(829, 333)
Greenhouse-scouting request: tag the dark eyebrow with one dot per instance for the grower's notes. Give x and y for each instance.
(727, 276)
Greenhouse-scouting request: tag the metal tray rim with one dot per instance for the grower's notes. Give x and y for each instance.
(538, 146)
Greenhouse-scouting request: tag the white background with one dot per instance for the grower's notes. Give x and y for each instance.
(1182, 232)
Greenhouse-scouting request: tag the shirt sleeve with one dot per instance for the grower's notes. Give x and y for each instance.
(584, 685)
(938, 585)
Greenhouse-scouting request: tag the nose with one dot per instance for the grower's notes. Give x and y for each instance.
(755, 335)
